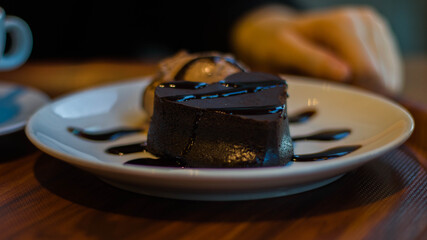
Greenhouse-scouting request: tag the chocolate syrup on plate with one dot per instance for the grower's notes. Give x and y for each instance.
(329, 135)
(231, 89)
(302, 116)
(157, 162)
(325, 135)
(165, 162)
(106, 135)
(127, 149)
(325, 155)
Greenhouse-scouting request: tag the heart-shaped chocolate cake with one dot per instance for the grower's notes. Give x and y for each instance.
(240, 121)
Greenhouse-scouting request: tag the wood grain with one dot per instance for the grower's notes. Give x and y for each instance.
(44, 198)
(58, 78)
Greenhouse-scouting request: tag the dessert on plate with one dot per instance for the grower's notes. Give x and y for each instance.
(239, 121)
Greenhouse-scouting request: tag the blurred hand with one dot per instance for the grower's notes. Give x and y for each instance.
(352, 44)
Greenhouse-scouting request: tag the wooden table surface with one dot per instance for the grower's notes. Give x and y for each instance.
(42, 197)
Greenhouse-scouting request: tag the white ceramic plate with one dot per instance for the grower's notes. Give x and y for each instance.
(17, 104)
(377, 124)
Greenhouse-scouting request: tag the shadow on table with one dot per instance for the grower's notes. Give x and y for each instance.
(372, 182)
(15, 145)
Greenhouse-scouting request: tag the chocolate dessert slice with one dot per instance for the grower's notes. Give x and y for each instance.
(238, 122)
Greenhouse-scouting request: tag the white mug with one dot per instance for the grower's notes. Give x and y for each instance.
(21, 45)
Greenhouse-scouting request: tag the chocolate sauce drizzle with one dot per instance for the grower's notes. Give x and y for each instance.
(326, 135)
(329, 135)
(156, 162)
(258, 110)
(181, 73)
(103, 135)
(233, 89)
(327, 154)
(320, 156)
(302, 116)
(127, 149)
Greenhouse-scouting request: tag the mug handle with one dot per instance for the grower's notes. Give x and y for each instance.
(21, 46)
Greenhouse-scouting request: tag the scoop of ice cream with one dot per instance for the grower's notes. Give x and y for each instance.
(207, 67)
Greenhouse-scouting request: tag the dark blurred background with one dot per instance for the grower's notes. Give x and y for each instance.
(127, 29)
(154, 29)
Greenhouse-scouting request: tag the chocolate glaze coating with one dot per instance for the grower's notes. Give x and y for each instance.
(238, 122)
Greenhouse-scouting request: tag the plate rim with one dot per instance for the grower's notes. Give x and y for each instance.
(17, 126)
